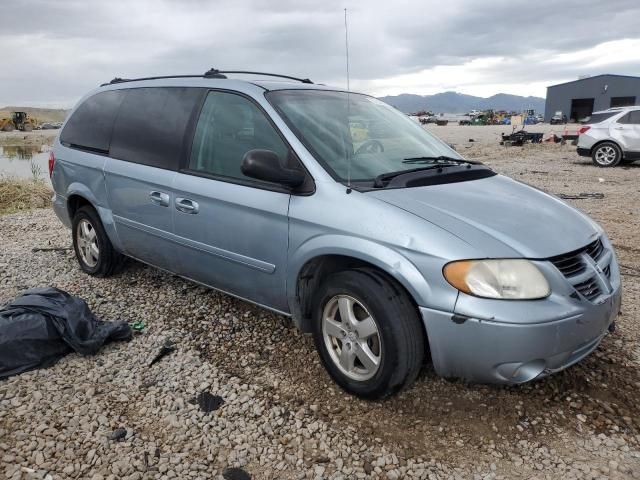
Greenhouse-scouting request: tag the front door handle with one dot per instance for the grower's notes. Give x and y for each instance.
(619, 128)
(159, 198)
(187, 206)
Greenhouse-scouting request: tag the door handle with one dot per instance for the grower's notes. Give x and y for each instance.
(619, 128)
(187, 206)
(159, 198)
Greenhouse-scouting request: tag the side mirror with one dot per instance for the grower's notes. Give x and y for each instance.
(266, 165)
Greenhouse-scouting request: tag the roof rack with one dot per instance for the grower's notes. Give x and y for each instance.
(211, 73)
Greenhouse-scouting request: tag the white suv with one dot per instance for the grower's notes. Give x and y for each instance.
(611, 136)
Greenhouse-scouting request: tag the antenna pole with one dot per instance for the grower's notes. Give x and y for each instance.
(346, 45)
(346, 48)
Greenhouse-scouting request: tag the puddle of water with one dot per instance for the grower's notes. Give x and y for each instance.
(24, 161)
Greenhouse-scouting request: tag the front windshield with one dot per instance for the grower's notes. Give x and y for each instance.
(357, 134)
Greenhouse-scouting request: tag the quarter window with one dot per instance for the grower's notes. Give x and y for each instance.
(229, 126)
(90, 125)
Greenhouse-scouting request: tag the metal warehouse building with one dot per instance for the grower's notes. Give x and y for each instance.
(580, 98)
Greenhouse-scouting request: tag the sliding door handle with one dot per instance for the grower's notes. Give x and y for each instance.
(185, 205)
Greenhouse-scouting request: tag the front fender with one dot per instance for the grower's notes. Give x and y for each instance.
(383, 257)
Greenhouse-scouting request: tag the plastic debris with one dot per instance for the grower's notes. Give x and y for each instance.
(137, 326)
(580, 196)
(168, 347)
(235, 474)
(118, 434)
(209, 403)
(44, 324)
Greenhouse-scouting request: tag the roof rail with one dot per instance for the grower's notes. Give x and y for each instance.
(211, 73)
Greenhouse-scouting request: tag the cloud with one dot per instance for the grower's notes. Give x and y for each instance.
(53, 52)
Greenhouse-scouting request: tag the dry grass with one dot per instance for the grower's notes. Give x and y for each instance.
(20, 194)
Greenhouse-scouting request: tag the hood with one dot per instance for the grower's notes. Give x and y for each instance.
(498, 216)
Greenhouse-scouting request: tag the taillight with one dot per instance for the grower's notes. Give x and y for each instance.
(52, 162)
(583, 129)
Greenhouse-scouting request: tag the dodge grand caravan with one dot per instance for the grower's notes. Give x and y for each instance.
(339, 211)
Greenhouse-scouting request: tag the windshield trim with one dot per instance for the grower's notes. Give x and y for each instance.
(359, 184)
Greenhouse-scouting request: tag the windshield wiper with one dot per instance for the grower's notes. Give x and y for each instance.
(383, 177)
(441, 159)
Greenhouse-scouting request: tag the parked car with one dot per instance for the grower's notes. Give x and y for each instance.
(558, 118)
(389, 253)
(611, 137)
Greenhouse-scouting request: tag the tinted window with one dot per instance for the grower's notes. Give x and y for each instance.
(632, 118)
(599, 117)
(229, 126)
(151, 126)
(91, 124)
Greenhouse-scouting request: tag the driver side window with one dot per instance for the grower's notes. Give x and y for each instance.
(229, 126)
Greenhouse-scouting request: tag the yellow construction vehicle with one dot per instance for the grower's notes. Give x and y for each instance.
(18, 121)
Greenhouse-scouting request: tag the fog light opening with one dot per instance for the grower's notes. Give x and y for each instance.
(528, 371)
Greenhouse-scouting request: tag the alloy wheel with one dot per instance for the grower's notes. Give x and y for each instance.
(606, 155)
(87, 243)
(352, 337)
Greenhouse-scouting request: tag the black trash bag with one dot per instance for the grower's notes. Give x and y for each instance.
(44, 324)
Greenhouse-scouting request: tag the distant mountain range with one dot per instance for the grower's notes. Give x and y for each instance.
(454, 102)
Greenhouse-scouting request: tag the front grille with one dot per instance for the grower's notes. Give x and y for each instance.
(572, 264)
(575, 263)
(595, 249)
(589, 288)
(569, 265)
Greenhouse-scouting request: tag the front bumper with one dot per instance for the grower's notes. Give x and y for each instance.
(488, 351)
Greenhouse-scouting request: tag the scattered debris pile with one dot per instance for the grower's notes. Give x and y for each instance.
(520, 137)
(44, 324)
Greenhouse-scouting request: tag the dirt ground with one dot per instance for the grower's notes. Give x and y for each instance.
(35, 137)
(583, 422)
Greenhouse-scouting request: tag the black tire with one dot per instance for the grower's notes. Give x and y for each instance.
(606, 154)
(108, 259)
(8, 128)
(401, 338)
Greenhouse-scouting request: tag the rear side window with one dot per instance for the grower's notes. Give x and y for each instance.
(631, 118)
(90, 126)
(599, 117)
(151, 126)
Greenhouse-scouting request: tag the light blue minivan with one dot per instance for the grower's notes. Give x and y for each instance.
(338, 210)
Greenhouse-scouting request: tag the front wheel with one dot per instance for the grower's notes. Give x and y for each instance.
(368, 333)
(606, 154)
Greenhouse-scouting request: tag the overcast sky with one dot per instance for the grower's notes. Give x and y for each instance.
(54, 51)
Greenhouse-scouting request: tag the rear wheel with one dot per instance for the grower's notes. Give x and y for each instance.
(28, 127)
(368, 333)
(606, 154)
(8, 128)
(92, 246)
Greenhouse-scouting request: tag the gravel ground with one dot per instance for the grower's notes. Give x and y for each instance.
(282, 417)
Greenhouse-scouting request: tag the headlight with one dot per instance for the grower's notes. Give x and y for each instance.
(506, 279)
